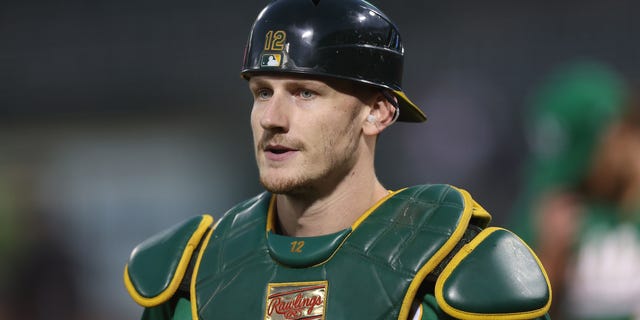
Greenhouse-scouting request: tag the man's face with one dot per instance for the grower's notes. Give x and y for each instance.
(306, 131)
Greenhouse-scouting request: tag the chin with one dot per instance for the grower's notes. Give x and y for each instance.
(284, 185)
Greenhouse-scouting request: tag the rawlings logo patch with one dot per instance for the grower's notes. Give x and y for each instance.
(296, 301)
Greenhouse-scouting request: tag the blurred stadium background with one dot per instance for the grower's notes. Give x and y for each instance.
(119, 118)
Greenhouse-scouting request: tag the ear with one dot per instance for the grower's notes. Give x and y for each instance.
(380, 114)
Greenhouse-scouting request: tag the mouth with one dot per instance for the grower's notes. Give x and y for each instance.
(277, 149)
(278, 152)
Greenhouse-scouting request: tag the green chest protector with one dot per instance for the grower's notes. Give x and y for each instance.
(374, 270)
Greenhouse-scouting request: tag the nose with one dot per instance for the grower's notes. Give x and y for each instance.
(275, 114)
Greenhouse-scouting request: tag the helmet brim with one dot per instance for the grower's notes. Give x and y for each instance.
(409, 111)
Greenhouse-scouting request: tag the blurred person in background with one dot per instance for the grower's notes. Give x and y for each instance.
(8, 240)
(581, 208)
(38, 274)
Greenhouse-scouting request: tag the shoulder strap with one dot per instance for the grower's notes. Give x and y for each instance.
(469, 234)
(158, 265)
(480, 219)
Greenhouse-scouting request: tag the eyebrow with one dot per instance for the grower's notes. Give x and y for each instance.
(257, 82)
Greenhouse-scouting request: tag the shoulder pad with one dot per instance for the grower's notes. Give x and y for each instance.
(157, 265)
(440, 193)
(495, 276)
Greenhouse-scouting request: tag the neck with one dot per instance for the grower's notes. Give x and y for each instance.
(324, 213)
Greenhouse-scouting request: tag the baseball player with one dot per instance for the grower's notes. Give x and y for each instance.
(327, 240)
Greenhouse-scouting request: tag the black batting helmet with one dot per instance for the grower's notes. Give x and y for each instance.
(347, 39)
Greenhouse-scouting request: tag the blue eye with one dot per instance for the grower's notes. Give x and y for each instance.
(307, 94)
(264, 94)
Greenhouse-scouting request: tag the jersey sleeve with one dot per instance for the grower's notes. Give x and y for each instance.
(174, 309)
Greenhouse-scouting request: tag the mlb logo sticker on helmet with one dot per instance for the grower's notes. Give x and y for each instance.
(271, 60)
